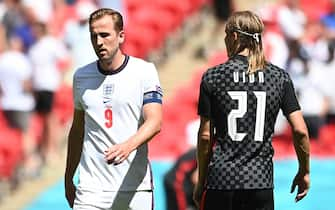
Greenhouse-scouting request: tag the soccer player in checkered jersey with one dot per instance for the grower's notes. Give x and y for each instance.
(118, 109)
(238, 105)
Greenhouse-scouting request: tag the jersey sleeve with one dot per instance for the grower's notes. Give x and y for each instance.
(152, 89)
(204, 104)
(75, 93)
(289, 101)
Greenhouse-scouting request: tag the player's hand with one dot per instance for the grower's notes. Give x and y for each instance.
(116, 154)
(301, 180)
(70, 192)
(197, 194)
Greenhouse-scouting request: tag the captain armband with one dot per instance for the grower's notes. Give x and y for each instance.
(152, 97)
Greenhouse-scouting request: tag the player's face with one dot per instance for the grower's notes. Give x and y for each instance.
(105, 39)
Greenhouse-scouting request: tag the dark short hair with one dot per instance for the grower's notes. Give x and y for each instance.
(117, 17)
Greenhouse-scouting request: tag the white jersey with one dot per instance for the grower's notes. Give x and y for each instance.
(113, 105)
(44, 55)
(15, 68)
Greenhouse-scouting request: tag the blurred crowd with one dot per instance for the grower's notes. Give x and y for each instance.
(302, 43)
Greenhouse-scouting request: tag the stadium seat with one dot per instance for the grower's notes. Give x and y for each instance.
(180, 9)
(315, 9)
(63, 105)
(218, 58)
(11, 151)
(326, 140)
(133, 5)
(156, 18)
(140, 40)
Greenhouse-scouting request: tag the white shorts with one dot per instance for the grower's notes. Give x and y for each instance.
(122, 200)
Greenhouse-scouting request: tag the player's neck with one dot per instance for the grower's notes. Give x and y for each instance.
(244, 52)
(114, 64)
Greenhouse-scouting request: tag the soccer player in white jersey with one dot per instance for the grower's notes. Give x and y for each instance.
(118, 109)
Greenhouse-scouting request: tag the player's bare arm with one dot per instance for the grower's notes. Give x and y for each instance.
(151, 126)
(301, 145)
(75, 143)
(203, 153)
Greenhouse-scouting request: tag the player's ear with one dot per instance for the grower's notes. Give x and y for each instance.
(121, 36)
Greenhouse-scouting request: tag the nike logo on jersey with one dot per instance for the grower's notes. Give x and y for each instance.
(106, 101)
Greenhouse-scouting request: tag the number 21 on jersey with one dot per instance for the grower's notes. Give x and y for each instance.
(241, 97)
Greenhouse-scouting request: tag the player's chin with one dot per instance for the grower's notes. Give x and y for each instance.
(104, 58)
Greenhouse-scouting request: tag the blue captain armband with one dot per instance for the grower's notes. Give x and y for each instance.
(152, 97)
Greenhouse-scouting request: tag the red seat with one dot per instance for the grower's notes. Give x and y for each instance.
(133, 5)
(63, 106)
(180, 9)
(11, 151)
(156, 18)
(315, 9)
(218, 58)
(140, 40)
(170, 143)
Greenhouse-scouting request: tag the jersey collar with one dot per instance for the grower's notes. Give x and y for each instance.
(241, 58)
(123, 65)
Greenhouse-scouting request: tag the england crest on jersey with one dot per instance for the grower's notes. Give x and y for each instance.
(108, 90)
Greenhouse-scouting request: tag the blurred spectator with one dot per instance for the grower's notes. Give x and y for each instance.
(77, 36)
(313, 97)
(179, 182)
(328, 21)
(308, 89)
(17, 21)
(192, 132)
(310, 74)
(316, 43)
(324, 34)
(17, 100)
(275, 47)
(330, 87)
(291, 19)
(297, 63)
(40, 9)
(222, 9)
(2, 9)
(2, 38)
(47, 56)
(62, 13)
(12, 16)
